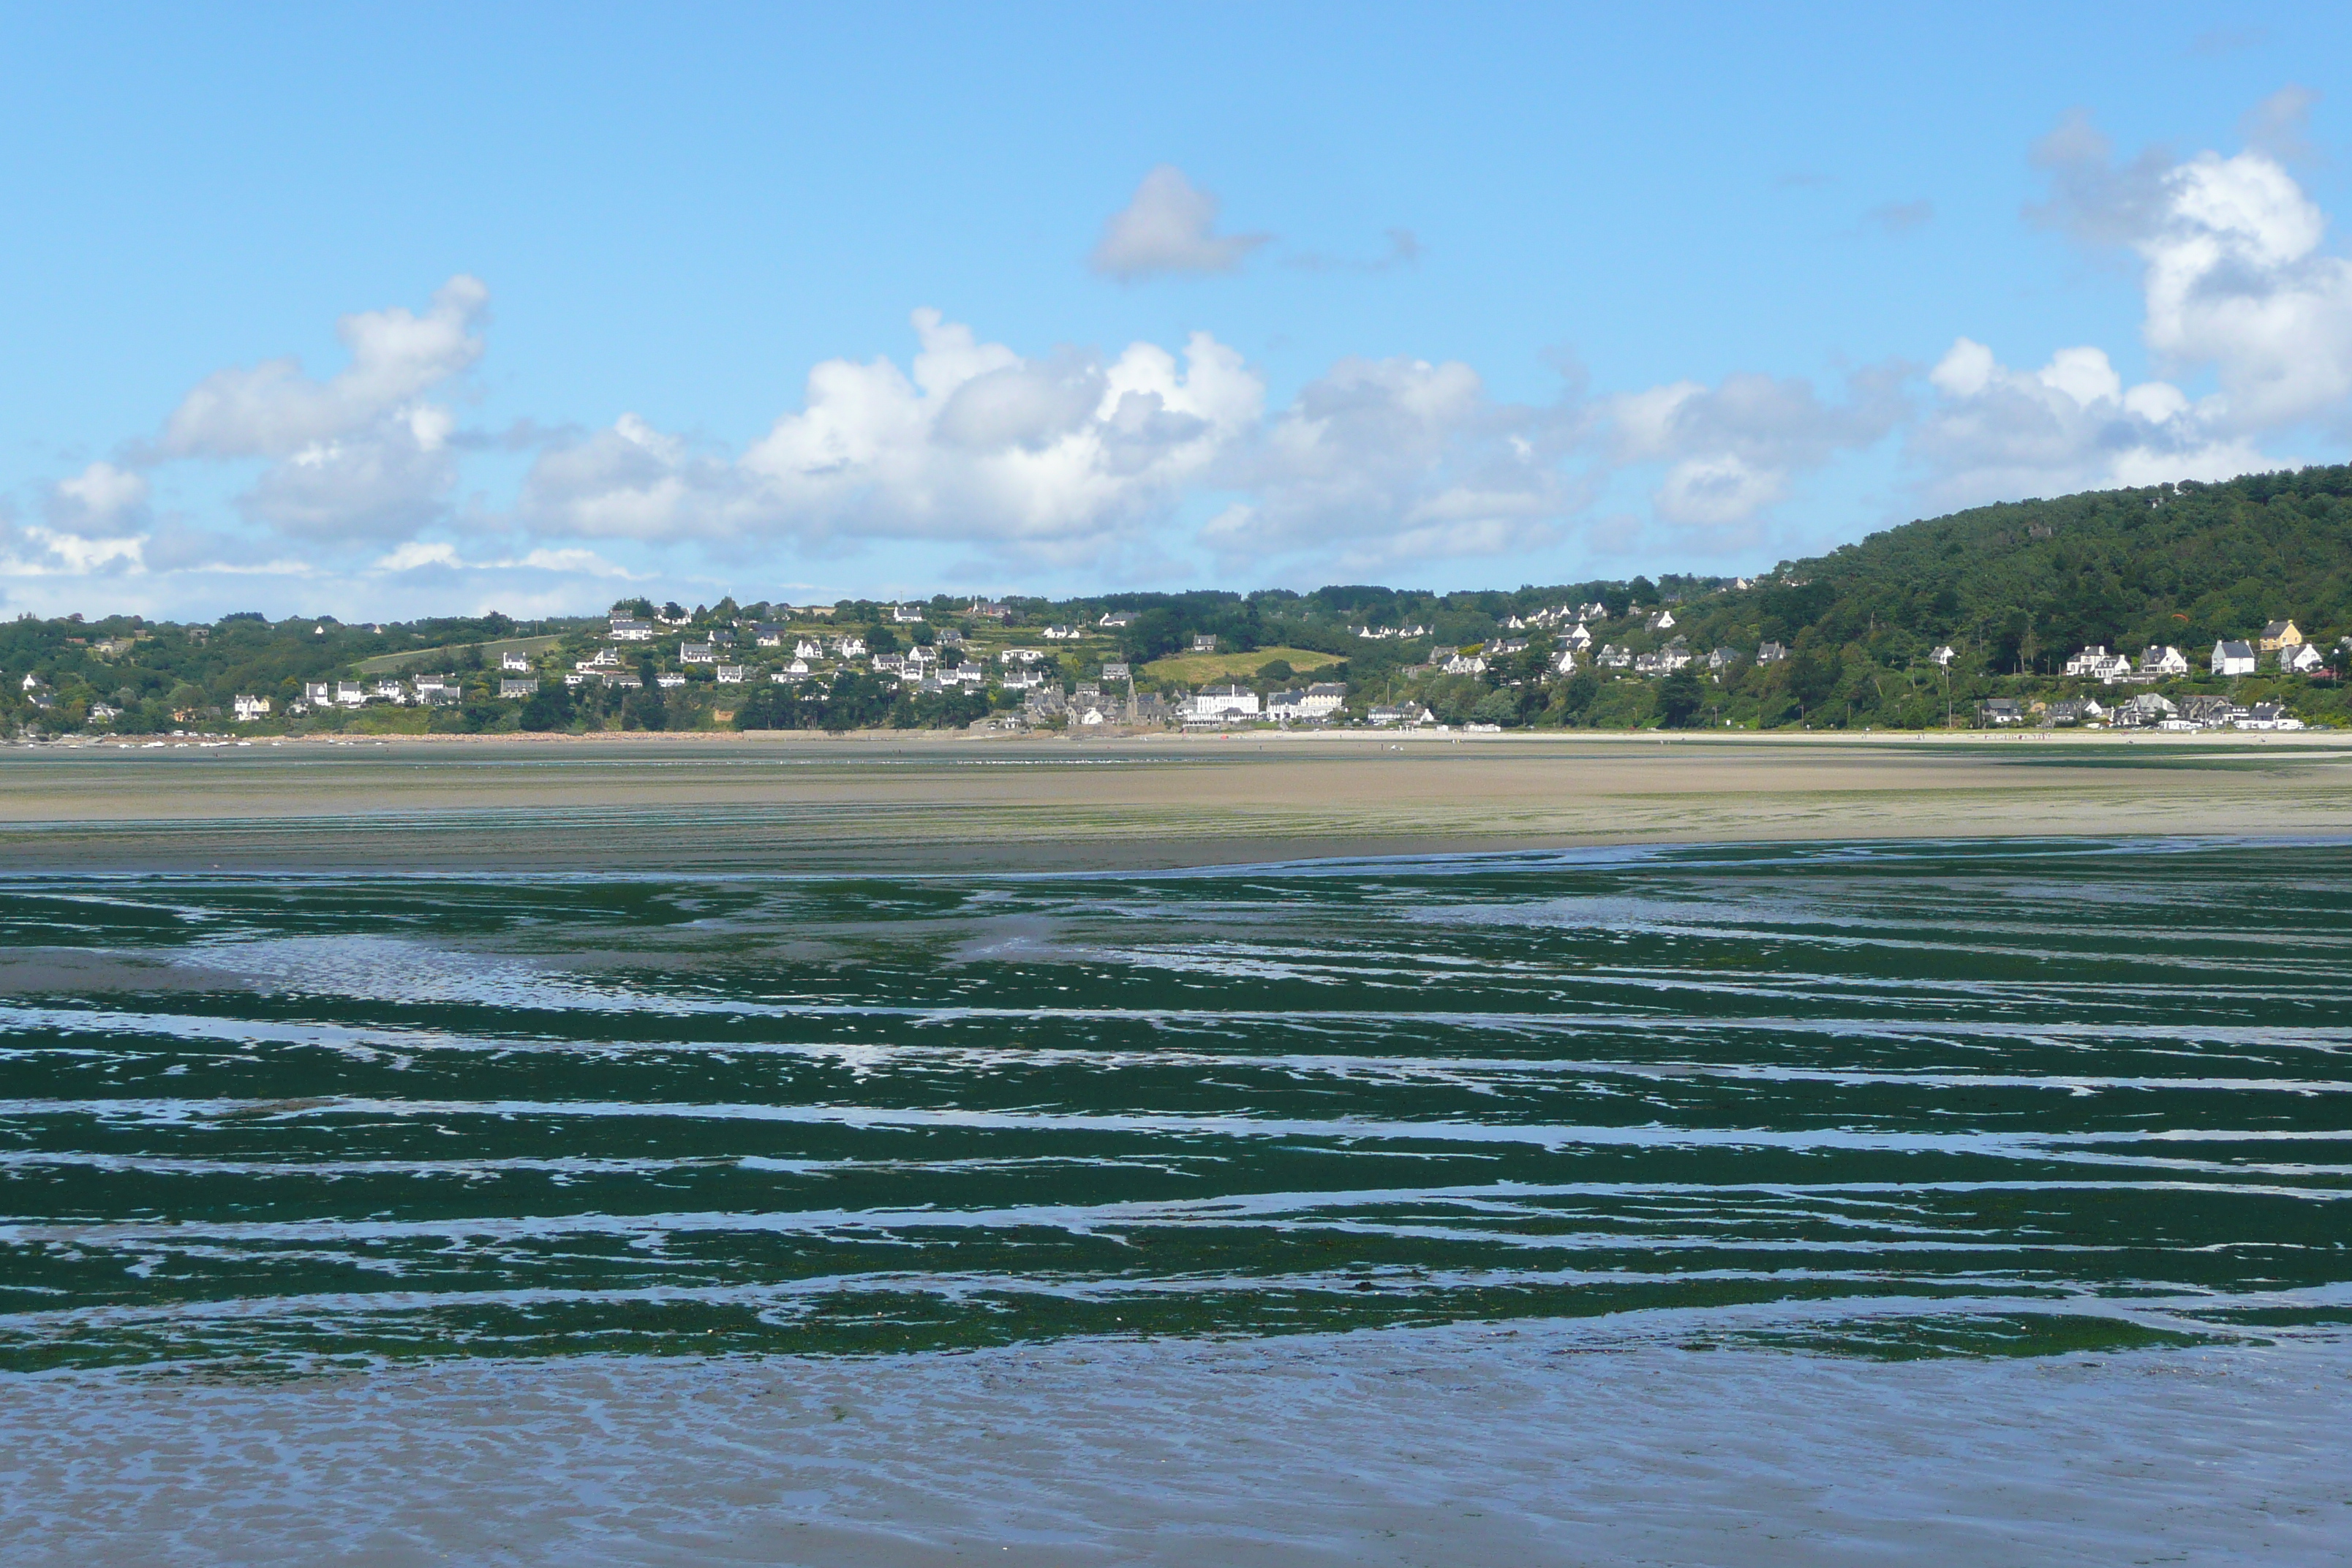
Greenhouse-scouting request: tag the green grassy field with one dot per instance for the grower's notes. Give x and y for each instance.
(438, 658)
(1194, 668)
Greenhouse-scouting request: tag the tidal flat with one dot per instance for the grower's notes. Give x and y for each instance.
(906, 800)
(1084, 1153)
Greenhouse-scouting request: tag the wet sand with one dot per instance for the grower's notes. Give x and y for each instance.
(1471, 1447)
(796, 802)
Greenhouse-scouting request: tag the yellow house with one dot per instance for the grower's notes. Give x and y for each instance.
(2279, 634)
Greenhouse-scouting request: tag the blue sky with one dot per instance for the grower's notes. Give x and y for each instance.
(585, 301)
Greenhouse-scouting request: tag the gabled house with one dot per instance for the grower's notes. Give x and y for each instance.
(631, 630)
(1465, 664)
(850, 647)
(1660, 621)
(1116, 618)
(318, 693)
(512, 662)
(1577, 638)
(1116, 669)
(1771, 652)
(768, 633)
(248, 709)
(2300, 658)
(1062, 634)
(508, 687)
(2001, 710)
(2096, 663)
(2143, 711)
(698, 653)
(1942, 657)
(730, 674)
(1204, 642)
(2233, 658)
(668, 678)
(2278, 634)
(989, 610)
(2210, 712)
(2158, 663)
(1612, 656)
(1721, 659)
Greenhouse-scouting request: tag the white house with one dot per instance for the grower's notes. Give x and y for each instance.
(437, 689)
(318, 693)
(625, 630)
(1020, 656)
(1943, 656)
(906, 615)
(850, 647)
(1116, 669)
(808, 647)
(1566, 662)
(1578, 639)
(1771, 652)
(668, 678)
(1314, 705)
(2156, 662)
(514, 662)
(2300, 658)
(1022, 680)
(1408, 715)
(248, 709)
(1062, 634)
(1662, 621)
(1116, 618)
(2096, 663)
(1204, 642)
(698, 653)
(2233, 658)
(389, 690)
(518, 687)
(1212, 703)
(731, 675)
(1465, 663)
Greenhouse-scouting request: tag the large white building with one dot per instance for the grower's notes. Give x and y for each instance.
(1212, 703)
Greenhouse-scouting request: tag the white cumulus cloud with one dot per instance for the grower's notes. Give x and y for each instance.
(1060, 458)
(361, 454)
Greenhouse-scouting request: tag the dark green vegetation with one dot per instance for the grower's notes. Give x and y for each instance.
(2013, 589)
(1891, 1099)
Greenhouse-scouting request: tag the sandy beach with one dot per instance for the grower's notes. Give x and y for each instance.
(900, 801)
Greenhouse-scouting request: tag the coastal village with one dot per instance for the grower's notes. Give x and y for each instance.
(992, 666)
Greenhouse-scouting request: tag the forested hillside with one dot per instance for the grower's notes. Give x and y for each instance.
(2020, 586)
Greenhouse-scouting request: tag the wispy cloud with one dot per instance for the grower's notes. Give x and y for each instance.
(1169, 226)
